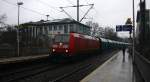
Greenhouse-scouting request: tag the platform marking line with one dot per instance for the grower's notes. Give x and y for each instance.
(100, 67)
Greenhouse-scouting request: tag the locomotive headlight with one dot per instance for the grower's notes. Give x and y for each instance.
(53, 50)
(66, 51)
(60, 44)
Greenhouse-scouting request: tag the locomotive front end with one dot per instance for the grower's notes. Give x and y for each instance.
(61, 45)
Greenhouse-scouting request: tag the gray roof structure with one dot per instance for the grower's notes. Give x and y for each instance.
(55, 21)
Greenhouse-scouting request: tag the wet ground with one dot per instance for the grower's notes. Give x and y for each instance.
(116, 69)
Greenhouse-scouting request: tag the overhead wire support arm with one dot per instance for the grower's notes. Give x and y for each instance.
(76, 6)
(66, 13)
(86, 5)
(87, 12)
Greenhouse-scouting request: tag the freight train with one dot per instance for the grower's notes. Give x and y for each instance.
(75, 44)
(57, 37)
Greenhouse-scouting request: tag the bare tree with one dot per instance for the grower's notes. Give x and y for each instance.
(110, 33)
(101, 32)
(2, 19)
(98, 31)
(94, 29)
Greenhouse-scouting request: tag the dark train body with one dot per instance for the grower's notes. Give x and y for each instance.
(37, 38)
(75, 44)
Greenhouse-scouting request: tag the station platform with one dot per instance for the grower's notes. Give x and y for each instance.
(116, 69)
(21, 59)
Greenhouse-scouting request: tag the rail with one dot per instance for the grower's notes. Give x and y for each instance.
(58, 79)
(143, 65)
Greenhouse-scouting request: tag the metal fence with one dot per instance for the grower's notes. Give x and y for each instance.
(143, 65)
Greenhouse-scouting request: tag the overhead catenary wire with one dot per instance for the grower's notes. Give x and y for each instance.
(25, 8)
(35, 12)
(53, 8)
(39, 13)
(86, 1)
(75, 6)
(93, 8)
(66, 13)
(87, 12)
(70, 2)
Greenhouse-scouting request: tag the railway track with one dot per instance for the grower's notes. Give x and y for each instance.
(24, 70)
(18, 75)
(58, 79)
(48, 72)
(79, 73)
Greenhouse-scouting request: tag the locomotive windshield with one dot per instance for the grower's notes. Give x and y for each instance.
(62, 38)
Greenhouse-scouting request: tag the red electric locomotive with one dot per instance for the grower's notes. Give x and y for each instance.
(73, 44)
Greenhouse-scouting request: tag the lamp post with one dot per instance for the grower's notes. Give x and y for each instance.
(18, 3)
(133, 52)
(47, 17)
(133, 43)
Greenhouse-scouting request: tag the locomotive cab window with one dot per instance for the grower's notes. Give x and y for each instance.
(62, 38)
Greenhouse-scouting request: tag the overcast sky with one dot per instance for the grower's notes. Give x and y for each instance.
(105, 12)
